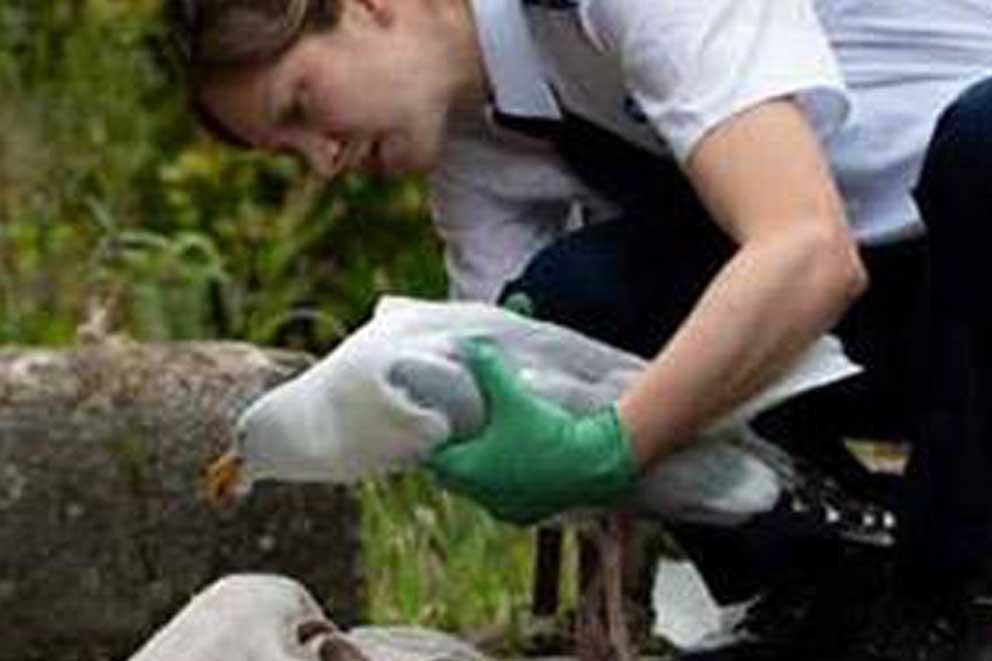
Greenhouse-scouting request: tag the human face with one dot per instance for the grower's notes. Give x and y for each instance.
(365, 95)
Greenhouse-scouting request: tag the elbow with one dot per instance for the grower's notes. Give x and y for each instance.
(858, 278)
(838, 269)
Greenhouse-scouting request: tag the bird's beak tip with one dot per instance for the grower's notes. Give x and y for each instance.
(223, 481)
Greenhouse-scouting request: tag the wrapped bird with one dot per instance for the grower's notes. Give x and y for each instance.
(398, 387)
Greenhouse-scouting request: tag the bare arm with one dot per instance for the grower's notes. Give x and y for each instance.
(765, 180)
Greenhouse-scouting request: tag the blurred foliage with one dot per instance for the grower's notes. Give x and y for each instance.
(449, 565)
(108, 188)
(109, 194)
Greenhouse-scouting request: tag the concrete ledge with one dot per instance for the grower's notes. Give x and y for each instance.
(104, 532)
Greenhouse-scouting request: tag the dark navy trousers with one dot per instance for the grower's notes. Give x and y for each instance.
(923, 331)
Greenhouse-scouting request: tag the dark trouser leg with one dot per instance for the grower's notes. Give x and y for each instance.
(627, 282)
(948, 514)
(883, 333)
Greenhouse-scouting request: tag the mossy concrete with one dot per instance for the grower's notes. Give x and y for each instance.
(104, 533)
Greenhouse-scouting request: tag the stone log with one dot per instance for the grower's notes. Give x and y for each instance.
(104, 531)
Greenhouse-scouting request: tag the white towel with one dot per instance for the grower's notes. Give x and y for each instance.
(243, 617)
(397, 388)
(266, 617)
(687, 615)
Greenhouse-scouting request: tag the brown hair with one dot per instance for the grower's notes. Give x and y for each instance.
(215, 38)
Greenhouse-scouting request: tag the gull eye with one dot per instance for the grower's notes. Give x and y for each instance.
(295, 113)
(300, 108)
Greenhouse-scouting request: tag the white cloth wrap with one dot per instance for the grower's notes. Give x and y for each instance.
(243, 617)
(258, 617)
(397, 388)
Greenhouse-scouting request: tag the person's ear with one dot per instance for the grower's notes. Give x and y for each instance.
(382, 11)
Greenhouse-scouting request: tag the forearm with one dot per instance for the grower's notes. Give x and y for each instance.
(772, 299)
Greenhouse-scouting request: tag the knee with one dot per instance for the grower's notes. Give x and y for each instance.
(577, 276)
(954, 196)
(959, 156)
(594, 281)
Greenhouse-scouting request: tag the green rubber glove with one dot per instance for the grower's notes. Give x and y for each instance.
(533, 458)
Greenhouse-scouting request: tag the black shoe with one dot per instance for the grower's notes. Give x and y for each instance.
(927, 625)
(851, 517)
(810, 612)
(812, 522)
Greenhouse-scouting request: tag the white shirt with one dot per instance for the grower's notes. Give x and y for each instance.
(904, 62)
(664, 73)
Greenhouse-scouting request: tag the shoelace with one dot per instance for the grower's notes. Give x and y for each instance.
(853, 519)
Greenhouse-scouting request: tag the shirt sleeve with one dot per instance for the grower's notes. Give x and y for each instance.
(496, 206)
(693, 64)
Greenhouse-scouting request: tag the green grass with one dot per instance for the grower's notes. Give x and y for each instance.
(437, 560)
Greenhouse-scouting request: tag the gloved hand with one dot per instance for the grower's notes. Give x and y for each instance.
(533, 458)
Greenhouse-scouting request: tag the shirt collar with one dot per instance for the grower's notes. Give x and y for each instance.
(512, 61)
